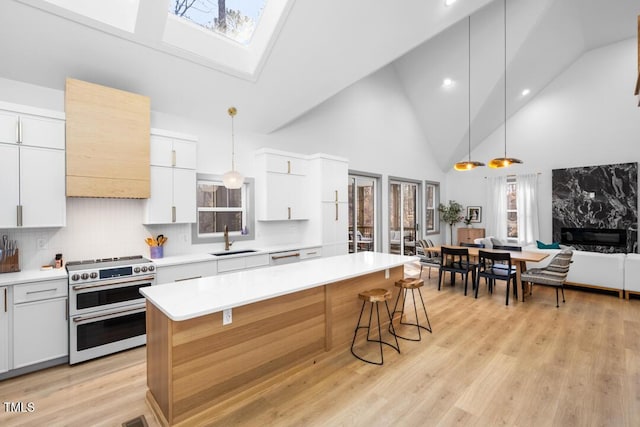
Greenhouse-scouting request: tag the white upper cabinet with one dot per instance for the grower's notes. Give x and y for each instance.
(32, 167)
(282, 191)
(173, 178)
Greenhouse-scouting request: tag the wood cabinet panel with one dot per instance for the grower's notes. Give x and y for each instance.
(107, 133)
(468, 235)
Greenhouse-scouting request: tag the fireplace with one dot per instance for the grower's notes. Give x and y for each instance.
(593, 237)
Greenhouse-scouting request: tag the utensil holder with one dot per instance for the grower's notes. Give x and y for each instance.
(10, 262)
(156, 251)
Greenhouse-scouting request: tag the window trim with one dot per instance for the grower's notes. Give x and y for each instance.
(249, 190)
(436, 203)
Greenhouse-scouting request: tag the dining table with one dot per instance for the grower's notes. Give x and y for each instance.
(518, 258)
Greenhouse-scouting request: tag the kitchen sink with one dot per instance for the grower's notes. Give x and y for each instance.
(239, 251)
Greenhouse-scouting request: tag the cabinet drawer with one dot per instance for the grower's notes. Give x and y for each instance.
(311, 253)
(231, 264)
(178, 273)
(40, 290)
(257, 261)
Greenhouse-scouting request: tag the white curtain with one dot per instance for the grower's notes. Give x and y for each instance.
(527, 202)
(497, 209)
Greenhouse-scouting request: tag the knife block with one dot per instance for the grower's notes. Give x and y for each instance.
(10, 263)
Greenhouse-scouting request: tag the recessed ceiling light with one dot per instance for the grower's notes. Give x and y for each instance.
(449, 2)
(446, 83)
(526, 92)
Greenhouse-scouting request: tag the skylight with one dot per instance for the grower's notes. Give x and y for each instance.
(238, 21)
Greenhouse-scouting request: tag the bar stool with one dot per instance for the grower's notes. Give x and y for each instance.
(406, 285)
(374, 296)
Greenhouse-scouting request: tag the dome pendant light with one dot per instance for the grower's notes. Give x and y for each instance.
(232, 179)
(469, 164)
(503, 162)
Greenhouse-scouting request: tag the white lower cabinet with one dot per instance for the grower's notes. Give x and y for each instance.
(4, 329)
(40, 322)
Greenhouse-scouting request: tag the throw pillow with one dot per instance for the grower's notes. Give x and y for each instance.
(496, 242)
(553, 245)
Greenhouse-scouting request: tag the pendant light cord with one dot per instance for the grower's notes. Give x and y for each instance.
(469, 90)
(505, 79)
(233, 150)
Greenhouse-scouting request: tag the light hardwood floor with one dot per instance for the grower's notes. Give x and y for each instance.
(486, 364)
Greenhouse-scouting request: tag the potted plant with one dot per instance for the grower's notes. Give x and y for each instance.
(451, 215)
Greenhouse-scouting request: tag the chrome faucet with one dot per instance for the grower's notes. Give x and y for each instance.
(227, 243)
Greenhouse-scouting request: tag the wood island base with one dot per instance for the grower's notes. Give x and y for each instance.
(195, 365)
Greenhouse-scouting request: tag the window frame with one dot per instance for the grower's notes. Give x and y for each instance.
(248, 202)
(436, 203)
(512, 181)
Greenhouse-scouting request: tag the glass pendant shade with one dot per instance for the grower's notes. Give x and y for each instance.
(469, 164)
(232, 179)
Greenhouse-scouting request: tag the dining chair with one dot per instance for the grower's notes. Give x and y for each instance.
(553, 274)
(427, 259)
(507, 248)
(496, 266)
(456, 260)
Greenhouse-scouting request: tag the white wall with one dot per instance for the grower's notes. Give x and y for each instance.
(586, 116)
(371, 123)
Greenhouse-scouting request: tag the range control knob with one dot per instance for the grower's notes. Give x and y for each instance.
(144, 268)
(75, 277)
(93, 275)
(151, 268)
(136, 270)
(84, 276)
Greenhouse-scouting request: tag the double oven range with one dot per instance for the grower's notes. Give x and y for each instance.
(106, 309)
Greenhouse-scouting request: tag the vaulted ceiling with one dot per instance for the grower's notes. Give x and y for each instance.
(321, 47)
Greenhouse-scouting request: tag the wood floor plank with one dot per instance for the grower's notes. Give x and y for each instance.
(526, 364)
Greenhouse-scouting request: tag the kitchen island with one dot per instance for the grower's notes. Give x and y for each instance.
(281, 318)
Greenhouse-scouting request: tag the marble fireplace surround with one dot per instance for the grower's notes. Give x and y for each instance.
(597, 197)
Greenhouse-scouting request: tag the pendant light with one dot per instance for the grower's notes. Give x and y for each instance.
(503, 162)
(232, 179)
(469, 164)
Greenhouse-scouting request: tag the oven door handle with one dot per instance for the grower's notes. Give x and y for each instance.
(110, 314)
(113, 282)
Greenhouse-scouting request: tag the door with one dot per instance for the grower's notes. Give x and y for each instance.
(42, 187)
(10, 188)
(403, 216)
(363, 215)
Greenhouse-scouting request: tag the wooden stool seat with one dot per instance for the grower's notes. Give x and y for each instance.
(410, 283)
(406, 285)
(375, 295)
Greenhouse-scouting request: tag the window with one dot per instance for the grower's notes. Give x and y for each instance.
(512, 209)
(231, 18)
(432, 195)
(363, 212)
(218, 206)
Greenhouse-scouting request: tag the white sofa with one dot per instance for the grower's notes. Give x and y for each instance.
(632, 274)
(590, 269)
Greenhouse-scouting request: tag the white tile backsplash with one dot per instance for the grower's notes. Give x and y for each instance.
(104, 228)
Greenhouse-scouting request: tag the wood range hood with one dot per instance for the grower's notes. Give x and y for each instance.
(107, 141)
(637, 92)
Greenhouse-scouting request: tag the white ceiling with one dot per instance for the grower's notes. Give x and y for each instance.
(320, 48)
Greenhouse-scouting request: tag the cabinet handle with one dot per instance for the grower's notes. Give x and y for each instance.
(19, 215)
(173, 214)
(41, 291)
(336, 196)
(66, 309)
(19, 131)
(288, 166)
(187, 278)
(289, 213)
(173, 157)
(336, 211)
(5, 300)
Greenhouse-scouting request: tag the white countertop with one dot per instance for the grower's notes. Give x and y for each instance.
(28, 276)
(198, 297)
(203, 257)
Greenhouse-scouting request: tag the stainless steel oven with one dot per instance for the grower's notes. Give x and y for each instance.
(106, 309)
